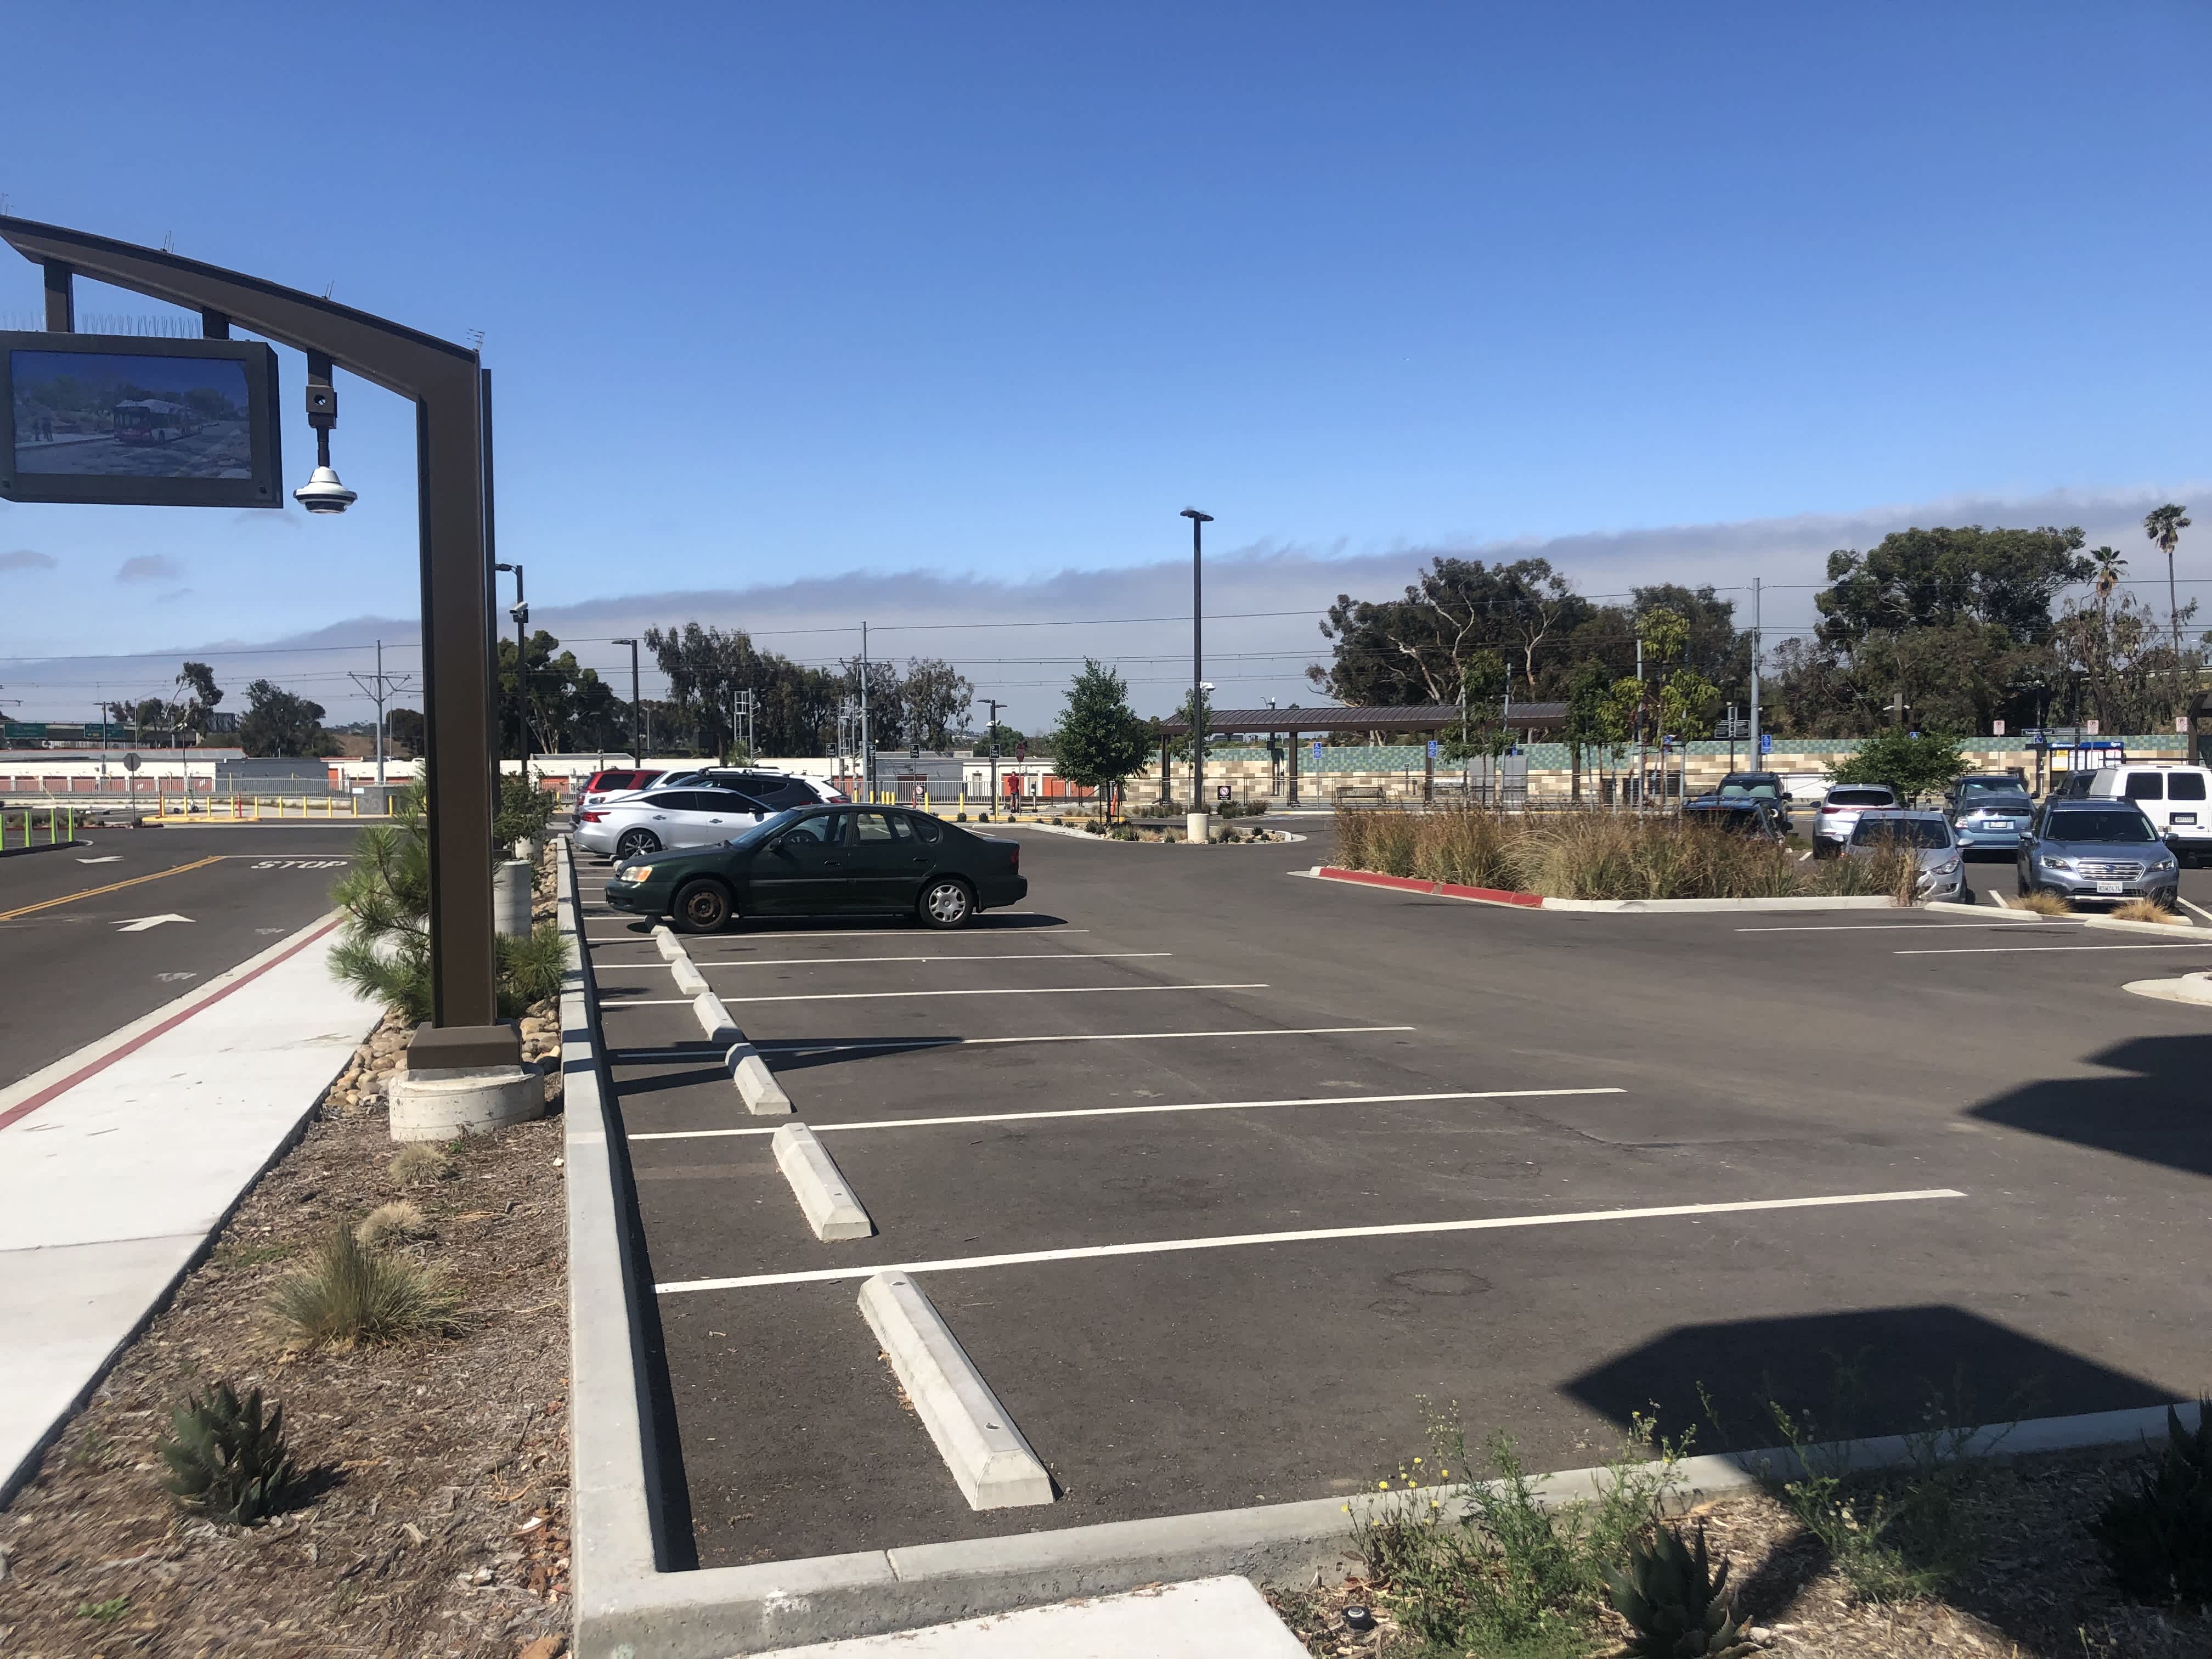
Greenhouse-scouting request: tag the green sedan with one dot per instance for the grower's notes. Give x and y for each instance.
(827, 861)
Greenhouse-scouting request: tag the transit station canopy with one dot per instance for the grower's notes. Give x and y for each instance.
(1398, 717)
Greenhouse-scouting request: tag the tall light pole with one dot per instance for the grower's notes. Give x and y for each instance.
(521, 615)
(992, 735)
(1194, 824)
(636, 742)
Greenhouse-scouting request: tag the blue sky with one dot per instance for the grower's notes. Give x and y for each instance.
(773, 293)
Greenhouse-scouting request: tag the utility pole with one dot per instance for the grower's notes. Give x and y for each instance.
(386, 684)
(1195, 825)
(868, 754)
(1757, 642)
(993, 734)
(521, 615)
(1639, 723)
(636, 742)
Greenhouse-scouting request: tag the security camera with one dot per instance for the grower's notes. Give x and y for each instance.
(520, 614)
(323, 493)
(1205, 685)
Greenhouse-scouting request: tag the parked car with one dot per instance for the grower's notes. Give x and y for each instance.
(630, 825)
(1838, 812)
(777, 791)
(1989, 812)
(1741, 814)
(616, 780)
(2173, 798)
(2105, 852)
(1942, 865)
(2074, 783)
(832, 860)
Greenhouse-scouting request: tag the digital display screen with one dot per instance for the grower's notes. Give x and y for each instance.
(117, 416)
(132, 421)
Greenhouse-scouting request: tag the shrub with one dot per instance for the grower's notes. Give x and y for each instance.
(348, 1297)
(2147, 911)
(391, 1223)
(2158, 1537)
(419, 1161)
(2043, 903)
(226, 1458)
(1507, 1571)
(385, 953)
(524, 809)
(1675, 1606)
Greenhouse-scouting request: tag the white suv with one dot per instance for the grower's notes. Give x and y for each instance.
(1838, 813)
(2173, 798)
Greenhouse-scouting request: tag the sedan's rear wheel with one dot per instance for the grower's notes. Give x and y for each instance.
(701, 907)
(947, 902)
(634, 844)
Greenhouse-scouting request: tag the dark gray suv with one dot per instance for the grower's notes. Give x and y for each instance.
(2100, 852)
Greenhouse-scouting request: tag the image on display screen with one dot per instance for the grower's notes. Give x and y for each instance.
(120, 415)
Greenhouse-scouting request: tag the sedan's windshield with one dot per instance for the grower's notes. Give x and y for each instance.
(764, 828)
(2111, 826)
(1861, 798)
(1901, 832)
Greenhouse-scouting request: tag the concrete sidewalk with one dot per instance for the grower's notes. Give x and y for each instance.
(1205, 1618)
(118, 1162)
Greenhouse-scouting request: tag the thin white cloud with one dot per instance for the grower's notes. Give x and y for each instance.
(26, 558)
(150, 568)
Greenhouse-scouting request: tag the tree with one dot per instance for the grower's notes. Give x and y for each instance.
(2164, 525)
(1100, 741)
(403, 729)
(281, 722)
(1422, 648)
(198, 696)
(935, 696)
(1938, 578)
(1911, 762)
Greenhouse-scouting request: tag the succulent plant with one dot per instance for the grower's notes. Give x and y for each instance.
(227, 1458)
(2158, 1537)
(1675, 1604)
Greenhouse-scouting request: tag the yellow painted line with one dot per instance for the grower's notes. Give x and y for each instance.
(111, 887)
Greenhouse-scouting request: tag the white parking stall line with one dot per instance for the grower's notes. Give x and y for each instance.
(802, 1046)
(1878, 926)
(842, 962)
(2199, 908)
(2031, 950)
(1310, 1234)
(1135, 1111)
(878, 996)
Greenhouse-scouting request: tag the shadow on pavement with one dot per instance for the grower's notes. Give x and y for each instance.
(2160, 1114)
(1872, 1372)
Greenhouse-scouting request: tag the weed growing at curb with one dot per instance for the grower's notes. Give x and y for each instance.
(2147, 910)
(1487, 1565)
(106, 1612)
(2043, 904)
(349, 1297)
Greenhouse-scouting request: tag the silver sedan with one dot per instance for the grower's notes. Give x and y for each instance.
(663, 819)
(1942, 875)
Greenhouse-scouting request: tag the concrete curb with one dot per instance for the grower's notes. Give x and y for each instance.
(715, 1018)
(2086, 918)
(820, 1187)
(756, 1085)
(2190, 987)
(990, 1460)
(688, 979)
(1606, 907)
(2177, 930)
(671, 947)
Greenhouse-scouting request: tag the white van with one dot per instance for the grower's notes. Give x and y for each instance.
(2177, 800)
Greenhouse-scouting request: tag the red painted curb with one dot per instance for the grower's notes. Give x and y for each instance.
(23, 1109)
(1448, 890)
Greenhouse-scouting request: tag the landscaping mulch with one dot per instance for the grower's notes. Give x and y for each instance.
(434, 1521)
(2041, 1590)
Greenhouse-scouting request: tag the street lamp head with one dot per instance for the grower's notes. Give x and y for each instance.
(1206, 686)
(506, 567)
(628, 642)
(1192, 512)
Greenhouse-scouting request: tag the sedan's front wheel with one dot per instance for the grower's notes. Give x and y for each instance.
(947, 902)
(701, 907)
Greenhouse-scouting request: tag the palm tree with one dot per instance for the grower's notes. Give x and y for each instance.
(2164, 525)
(2107, 575)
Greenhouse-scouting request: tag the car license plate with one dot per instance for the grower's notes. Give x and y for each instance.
(2178, 818)
(2109, 887)
(1998, 823)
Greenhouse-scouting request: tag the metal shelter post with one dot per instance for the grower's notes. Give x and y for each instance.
(444, 382)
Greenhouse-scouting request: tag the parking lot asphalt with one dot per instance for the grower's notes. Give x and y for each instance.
(1217, 1172)
(82, 950)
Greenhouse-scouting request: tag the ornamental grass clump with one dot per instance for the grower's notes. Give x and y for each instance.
(349, 1295)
